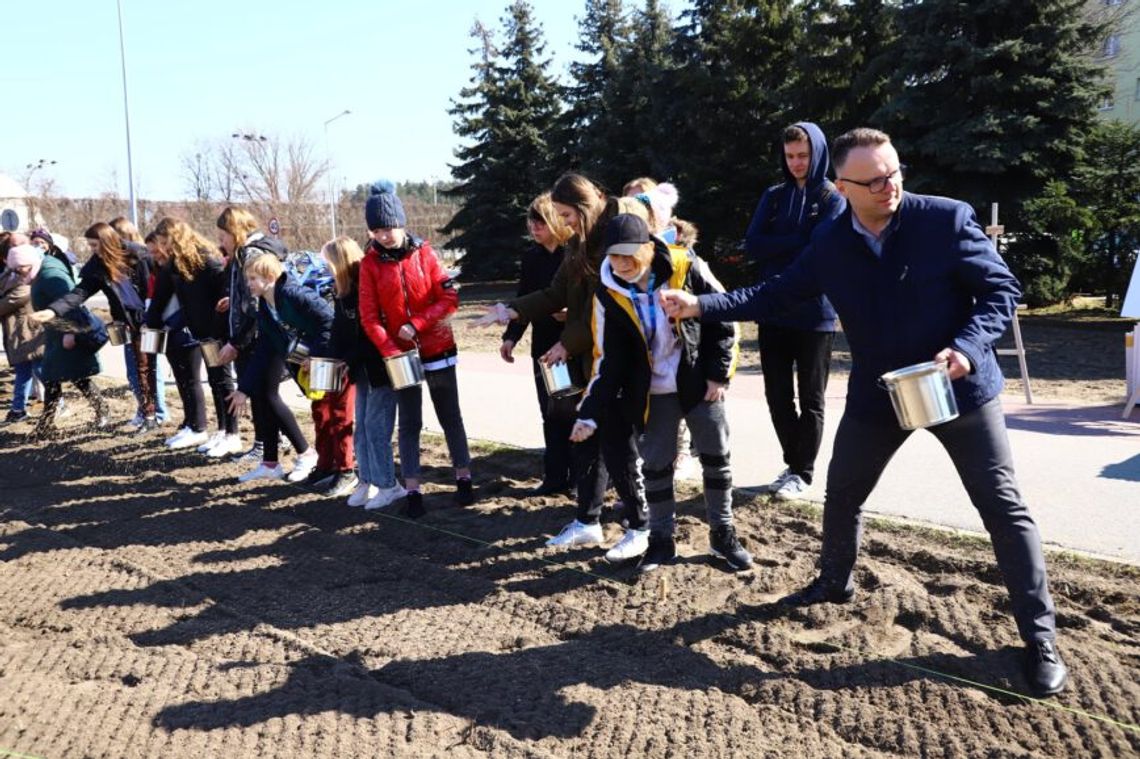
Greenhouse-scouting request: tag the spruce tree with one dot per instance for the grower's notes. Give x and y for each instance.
(992, 98)
(508, 112)
(725, 110)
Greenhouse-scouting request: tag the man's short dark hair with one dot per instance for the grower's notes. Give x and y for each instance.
(795, 134)
(862, 137)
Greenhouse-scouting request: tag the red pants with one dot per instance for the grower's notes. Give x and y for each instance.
(333, 418)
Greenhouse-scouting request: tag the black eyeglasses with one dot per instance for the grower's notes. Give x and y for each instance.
(878, 184)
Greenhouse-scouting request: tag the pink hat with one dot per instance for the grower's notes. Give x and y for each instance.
(26, 255)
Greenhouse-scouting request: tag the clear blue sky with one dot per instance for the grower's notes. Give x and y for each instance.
(205, 69)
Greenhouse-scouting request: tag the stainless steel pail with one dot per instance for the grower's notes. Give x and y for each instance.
(118, 333)
(211, 352)
(560, 379)
(404, 369)
(328, 374)
(152, 340)
(921, 394)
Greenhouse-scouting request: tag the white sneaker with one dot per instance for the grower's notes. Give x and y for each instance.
(778, 483)
(190, 440)
(794, 487)
(302, 465)
(577, 534)
(263, 472)
(178, 435)
(137, 420)
(363, 494)
(213, 440)
(226, 446)
(386, 497)
(633, 544)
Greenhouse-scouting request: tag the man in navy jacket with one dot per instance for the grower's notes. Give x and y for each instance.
(795, 347)
(913, 278)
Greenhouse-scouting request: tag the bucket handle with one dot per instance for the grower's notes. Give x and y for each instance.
(943, 365)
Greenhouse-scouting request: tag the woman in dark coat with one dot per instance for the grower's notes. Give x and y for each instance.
(122, 276)
(193, 273)
(65, 359)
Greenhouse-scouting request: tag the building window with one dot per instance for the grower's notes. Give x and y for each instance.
(1106, 103)
(1111, 46)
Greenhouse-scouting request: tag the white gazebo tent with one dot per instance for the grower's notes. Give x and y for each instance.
(14, 212)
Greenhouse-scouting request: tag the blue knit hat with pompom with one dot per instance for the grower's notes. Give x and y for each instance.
(383, 209)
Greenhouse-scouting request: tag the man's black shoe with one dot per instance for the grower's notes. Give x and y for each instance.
(724, 544)
(15, 416)
(818, 592)
(661, 551)
(547, 489)
(415, 507)
(1044, 670)
(464, 492)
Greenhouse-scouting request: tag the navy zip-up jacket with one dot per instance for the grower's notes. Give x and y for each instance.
(300, 312)
(939, 283)
(782, 225)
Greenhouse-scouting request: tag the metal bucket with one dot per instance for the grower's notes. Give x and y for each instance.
(404, 369)
(152, 340)
(118, 333)
(921, 394)
(298, 352)
(328, 374)
(211, 352)
(560, 379)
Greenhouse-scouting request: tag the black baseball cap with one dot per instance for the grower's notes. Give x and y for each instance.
(625, 234)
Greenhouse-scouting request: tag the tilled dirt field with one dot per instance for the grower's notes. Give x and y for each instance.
(153, 607)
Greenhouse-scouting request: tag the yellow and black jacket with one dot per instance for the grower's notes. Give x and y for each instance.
(622, 358)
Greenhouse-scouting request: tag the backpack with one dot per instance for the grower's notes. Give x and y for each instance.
(310, 270)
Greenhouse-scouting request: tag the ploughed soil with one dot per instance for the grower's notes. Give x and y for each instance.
(154, 607)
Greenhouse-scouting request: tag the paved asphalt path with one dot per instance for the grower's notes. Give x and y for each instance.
(1078, 466)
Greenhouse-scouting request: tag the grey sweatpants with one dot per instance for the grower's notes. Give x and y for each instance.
(709, 429)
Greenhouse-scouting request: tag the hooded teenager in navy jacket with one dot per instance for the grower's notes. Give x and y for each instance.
(914, 279)
(795, 348)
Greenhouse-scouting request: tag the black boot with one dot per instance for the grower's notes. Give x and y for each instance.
(724, 544)
(662, 550)
(464, 492)
(415, 506)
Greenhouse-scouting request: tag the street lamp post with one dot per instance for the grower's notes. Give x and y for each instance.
(332, 182)
(127, 119)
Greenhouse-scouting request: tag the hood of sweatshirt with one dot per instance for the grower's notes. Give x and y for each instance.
(820, 157)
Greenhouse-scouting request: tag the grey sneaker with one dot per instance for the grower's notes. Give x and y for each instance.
(253, 454)
(793, 488)
(340, 485)
(777, 483)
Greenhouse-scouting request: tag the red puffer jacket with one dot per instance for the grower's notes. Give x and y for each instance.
(408, 285)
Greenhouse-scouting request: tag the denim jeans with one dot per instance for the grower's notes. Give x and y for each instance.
(25, 377)
(444, 390)
(372, 435)
(161, 412)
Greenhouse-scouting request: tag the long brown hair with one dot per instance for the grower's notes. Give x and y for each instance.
(344, 256)
(594, 210)
(109, 249)
(238, 222)
(126, 229)
(188, 249)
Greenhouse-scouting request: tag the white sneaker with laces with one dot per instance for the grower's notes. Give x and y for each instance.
(362, 494)
(228, 445)
(794, 487)
(577, 534)
(777, 483)
(211, 442)
(385, 497)
(190, 439)
(263, 472)
(302, 465)
(182, 432)
(633, 544)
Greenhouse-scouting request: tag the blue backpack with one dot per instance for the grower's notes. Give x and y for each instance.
(310, 270)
